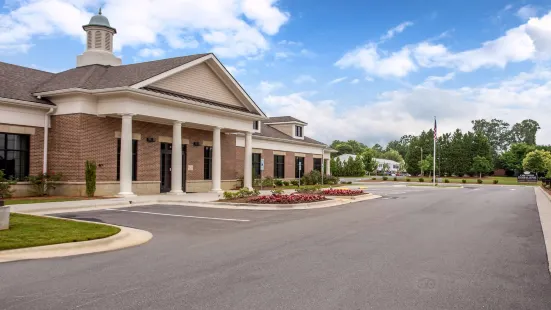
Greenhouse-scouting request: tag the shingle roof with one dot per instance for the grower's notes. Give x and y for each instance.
(100, 77)
(270, 132)
(283, 119)
(18, 82)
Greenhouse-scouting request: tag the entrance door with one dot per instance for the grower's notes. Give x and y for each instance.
(166, 167)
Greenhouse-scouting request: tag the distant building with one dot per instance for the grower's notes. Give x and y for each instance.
(393, 166)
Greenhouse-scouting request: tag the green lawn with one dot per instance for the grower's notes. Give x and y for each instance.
(38, 200)
(28, 231)
(485, 180)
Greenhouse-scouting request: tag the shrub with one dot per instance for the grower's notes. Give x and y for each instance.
(268, 182)
(349, 182)
(421, 180)
(278, 192)
(463, 181)
(408, 179)
(311, 178)
(479, 181)
(385, 178)
(286, 199)
(496, 181)
(374, 178)
(278, 182)
(90, 175)
(446, 181)
(42, 184)
(308, 189)
(286, 183)
(5, 190)
(342, 192)
(331, 180)
(395, 179)
(294, 182)
(257, 182)
(242, 193)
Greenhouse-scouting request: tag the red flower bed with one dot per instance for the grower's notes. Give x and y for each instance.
(342, 192)
(286, 199)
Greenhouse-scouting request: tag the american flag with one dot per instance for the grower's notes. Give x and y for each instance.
(435, 131)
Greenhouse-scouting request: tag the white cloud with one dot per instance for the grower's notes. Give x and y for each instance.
(410, 110)
(396, 30)
(378, 63)
(355, 81)
(434, 80)
(527, 11)
(337, 80)
(281, 55)
(230, 27)
(528, 42)
(151, 52)
(266, 87)
(304, 79)
(235, 70)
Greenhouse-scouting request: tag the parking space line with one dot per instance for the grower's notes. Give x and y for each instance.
(186, 216)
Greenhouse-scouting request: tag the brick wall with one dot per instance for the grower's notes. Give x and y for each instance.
(308, 163)
(268, 156)
(78, 137)
(239, 161)
(290, 165)
(36, 152)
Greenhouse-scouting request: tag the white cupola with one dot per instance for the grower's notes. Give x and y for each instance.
(99, 43)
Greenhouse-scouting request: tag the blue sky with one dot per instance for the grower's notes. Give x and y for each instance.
(366, 70)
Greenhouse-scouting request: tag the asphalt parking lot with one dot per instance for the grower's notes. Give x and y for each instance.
(468, 248)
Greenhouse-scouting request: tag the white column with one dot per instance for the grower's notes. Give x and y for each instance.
(126, 157)
(328, 166)
(248, 174)
(176, 169)
(216, 161)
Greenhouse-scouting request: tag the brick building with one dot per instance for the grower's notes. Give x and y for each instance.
(126, 118)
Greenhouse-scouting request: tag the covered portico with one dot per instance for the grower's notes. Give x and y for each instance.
(177, 165)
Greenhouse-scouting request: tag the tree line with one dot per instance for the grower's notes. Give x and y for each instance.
(491, 144)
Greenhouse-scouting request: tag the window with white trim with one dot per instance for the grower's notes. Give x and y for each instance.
(255, 125)
(298, 131)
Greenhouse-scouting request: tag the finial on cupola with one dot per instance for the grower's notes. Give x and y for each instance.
(99, 12)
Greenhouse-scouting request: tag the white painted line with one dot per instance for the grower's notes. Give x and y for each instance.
(513, 189)
(186, 216)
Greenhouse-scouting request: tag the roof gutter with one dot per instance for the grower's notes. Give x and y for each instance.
(285, 140)
(25, 103)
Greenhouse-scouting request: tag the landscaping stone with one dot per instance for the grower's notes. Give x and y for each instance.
(4, 217)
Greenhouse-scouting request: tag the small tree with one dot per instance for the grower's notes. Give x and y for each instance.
(42, 184)
(481, 165)
(537, 161)
(90, 174)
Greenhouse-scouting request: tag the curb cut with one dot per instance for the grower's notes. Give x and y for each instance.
(543, 200)
(127, 237)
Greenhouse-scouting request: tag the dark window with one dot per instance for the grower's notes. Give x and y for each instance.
(256, 165)
(279, 166)
(134, 160)
(255, 125)
(208, 163)
(298, 131)
(14, 155)
(317, 164)
(299, 161)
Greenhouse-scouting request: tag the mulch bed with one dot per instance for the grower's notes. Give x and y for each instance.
(546, 189)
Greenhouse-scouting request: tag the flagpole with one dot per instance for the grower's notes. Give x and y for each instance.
(434, 155)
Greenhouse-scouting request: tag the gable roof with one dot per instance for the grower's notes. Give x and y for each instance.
(18, 82)
(101, 77)
(270, 132)
(283, 119)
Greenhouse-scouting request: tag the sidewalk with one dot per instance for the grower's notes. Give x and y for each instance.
(543, 201)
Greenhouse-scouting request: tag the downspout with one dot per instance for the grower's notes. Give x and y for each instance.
(46, 128)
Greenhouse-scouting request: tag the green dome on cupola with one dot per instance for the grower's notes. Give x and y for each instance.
(100, 20)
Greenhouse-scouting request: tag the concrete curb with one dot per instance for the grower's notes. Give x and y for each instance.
(127, 237)
(266, 207)
(543, 201)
